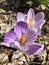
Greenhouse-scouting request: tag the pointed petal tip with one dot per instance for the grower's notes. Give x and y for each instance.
(20, 16)
(30, 9)
(41, 13)
(39, 24)
(30, 13)
(39, 16)
(40, 50)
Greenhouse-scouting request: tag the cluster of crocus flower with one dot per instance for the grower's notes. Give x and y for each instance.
(25, 33)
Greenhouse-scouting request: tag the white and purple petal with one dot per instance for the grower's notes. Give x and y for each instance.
(38, 31)
(17, 44)
(20, 28)
(39, 16)
(35, 49)
(20, 47)
(30, 13)
(39, 23)
(20, 17)
(31, 36)
(9, 38)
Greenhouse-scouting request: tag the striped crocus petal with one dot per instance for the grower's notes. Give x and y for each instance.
(30, 13)
(20, 28)
(31, 36)
(39, 16)
(39, 20)
(39, 25)
(35, 49)
(30, 17)
(9, 38)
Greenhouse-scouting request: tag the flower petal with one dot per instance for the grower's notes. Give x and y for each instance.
(9, 37)
(31, 36)
(20, 17)
(30, 15)
(23, 48)
(20, 28)
(39, 16)
(20, 47)
(38, 31)
(39, 23)
(17, 45)
(35, 49)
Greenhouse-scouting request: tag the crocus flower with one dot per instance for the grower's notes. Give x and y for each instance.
(23, 39)
(34, 21)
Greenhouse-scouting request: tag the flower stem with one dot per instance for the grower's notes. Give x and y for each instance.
(46, 39)
(42, 39)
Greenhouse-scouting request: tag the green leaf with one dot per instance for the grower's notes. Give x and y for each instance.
(44, 2)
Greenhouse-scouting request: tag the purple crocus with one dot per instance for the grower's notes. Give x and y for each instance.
(34, 21)
(23, 39)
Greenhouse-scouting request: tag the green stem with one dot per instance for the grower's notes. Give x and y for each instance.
(42, 39)
(46, 39)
